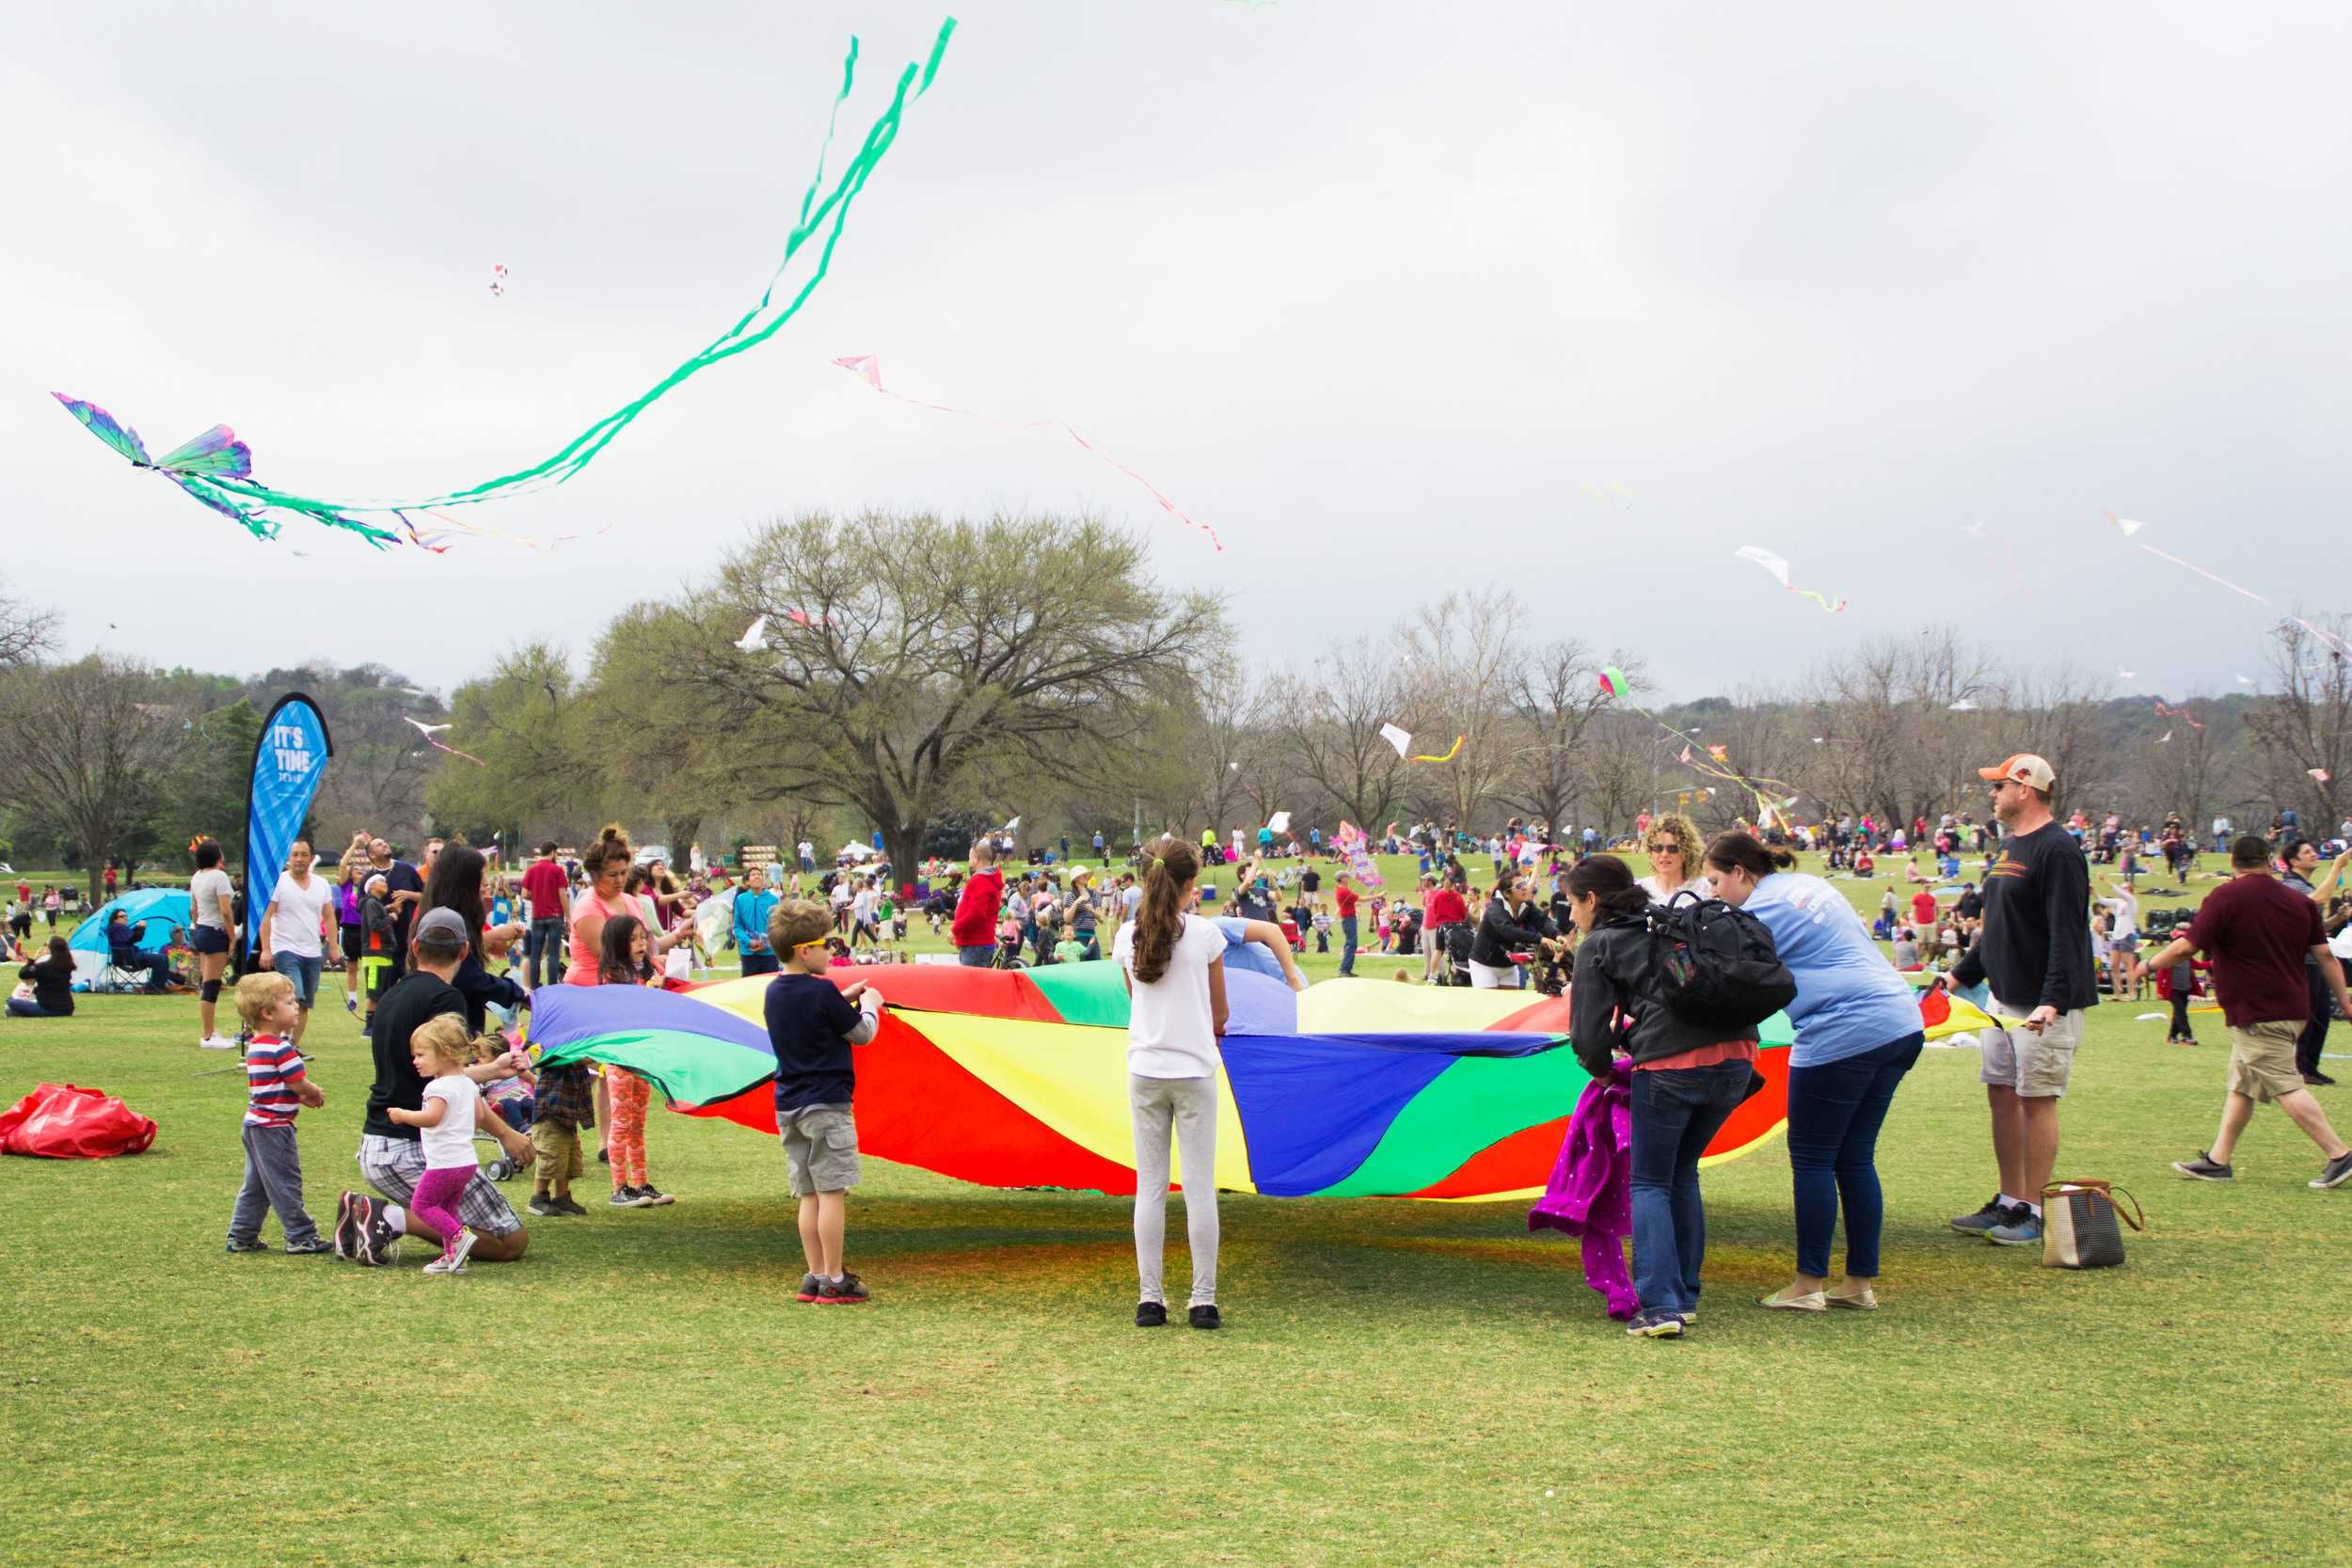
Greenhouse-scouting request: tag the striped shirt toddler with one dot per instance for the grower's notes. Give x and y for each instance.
(272, 1068)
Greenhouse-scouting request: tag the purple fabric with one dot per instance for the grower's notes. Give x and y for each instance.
(1591, 1191)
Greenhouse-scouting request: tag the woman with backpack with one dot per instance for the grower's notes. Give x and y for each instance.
(1686, 1079)
(1858, 1032)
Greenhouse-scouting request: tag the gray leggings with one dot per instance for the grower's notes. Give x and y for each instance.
(1188, 1107)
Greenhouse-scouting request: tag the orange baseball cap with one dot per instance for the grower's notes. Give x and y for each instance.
(2024, 768)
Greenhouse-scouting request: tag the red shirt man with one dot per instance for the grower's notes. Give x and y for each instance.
(545, 884)
(1923, 908)
(1345, 897)
(1445, 907)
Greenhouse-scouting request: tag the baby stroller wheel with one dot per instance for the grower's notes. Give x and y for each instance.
(499, 1170)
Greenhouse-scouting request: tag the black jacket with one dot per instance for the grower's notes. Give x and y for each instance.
(1614, 972)
(53, 985)
(1502, 934)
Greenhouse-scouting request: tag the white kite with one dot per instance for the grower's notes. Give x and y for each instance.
(1279, 823)
(2164, 736)
(1778, 566)
(755, 640)
(2128, 525)
(1396, 738)
(1963, 705)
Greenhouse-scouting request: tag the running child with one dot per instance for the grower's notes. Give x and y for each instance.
(811, 1027)
(277, 1086)
(445, 1127)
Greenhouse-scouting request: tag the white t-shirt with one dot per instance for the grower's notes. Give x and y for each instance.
(294, 929)
(1698, 887)
(1169, 1031)
(451, 1144)
(211, 897)
(2126, 909)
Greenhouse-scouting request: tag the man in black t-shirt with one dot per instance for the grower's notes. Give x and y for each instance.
(2035, 955)
(1310, 886)
(392, 1156)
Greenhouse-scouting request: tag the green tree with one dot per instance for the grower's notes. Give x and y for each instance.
(938, 665)
(542, 765)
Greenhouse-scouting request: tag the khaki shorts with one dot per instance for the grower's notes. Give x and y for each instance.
(2262, 1060)
(559, 1153)
(819, 1149)
(2036, 1066)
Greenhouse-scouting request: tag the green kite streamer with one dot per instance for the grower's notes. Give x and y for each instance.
(227, 488)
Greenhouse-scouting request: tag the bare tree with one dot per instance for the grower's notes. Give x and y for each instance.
(1330, 727)
(81, 746)
(1461, 649)
(1556, 694)
(2304, 728)
(27, 630)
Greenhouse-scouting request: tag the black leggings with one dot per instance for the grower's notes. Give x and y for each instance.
(2180, 1014)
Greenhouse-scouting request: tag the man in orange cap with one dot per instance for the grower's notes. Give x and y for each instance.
(2035, 955)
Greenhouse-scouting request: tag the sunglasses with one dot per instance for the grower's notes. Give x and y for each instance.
(1665, 847)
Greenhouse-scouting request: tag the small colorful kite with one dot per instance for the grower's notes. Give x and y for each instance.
(868, 368)
(497, 281)
(2319, 773)
(214, 467)
(1612, 681)
(1778, 566)
(430, 731)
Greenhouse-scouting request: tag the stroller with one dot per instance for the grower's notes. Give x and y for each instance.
(1458, 938)
(512, 1100)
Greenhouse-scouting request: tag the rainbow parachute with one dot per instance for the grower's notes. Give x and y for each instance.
(1356, 1089)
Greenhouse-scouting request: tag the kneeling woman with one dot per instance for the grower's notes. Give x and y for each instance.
(52, 979)
(1686, 1080)
(1858, 1032)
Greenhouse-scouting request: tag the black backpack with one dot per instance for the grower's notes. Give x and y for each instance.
(1716, 965)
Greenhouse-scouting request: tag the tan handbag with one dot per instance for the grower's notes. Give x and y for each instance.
(2078, 1224)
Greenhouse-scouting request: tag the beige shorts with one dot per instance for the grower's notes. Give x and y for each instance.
(2262, 1060)
(820, 1150)
(2036, 1066)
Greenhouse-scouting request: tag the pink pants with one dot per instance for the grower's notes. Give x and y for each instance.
(435, 1202)
(624, 1134)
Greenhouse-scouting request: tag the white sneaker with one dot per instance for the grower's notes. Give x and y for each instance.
(446, 1265)
(216, 1042)
(457, 1252)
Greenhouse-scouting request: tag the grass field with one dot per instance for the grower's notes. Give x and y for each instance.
(1398, 1382)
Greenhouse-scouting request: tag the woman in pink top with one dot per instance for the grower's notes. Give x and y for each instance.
(606, 865)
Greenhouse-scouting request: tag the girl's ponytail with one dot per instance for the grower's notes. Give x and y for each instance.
(1169, 867)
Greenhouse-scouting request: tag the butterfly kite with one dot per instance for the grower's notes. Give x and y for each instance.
(430, 731)
(1778, 566)
(215, 469)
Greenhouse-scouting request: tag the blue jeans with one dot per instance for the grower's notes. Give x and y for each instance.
(1835, 1113)
(1676, 1113)
(1347, 945)
(545, 941)
(980, 956)
(303, 972)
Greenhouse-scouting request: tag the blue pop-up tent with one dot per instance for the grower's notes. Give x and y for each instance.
(156, 915)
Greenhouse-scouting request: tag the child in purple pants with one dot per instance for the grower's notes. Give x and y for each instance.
(445, 1126)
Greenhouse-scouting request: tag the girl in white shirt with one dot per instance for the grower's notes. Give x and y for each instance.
(445, 1122)
(1174, 963)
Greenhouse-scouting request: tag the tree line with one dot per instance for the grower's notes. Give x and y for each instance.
(930, 679)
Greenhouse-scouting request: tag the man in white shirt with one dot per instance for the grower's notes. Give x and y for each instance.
(295, 928)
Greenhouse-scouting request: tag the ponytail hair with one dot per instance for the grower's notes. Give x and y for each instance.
(1605, 879)
(1169, 867)
(1738, 850)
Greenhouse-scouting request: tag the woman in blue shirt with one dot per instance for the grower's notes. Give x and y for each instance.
(1858, 1032)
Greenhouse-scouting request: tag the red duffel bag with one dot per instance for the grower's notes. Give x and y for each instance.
(63, 1121)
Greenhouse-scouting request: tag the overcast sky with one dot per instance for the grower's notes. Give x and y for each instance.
(1399, 298)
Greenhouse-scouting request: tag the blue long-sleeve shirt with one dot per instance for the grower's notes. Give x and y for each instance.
(750, 919)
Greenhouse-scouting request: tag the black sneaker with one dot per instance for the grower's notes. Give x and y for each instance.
(1151, 1314)
(2205, 1168)
(310, 1248)
(256, 1245)
(811, 1286)
(2335, 1173)
(1993, 1212)
(848, 1290)
(542, 1205)
(347, 1226)
(2319, 1080)
(604, 1156)
(655, 1197)
(1204, 1317)
(377, 1237)
(628, 1197)
(569, 1205)
(1650, 1324)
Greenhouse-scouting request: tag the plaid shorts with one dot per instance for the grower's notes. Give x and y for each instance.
(393, 1165)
